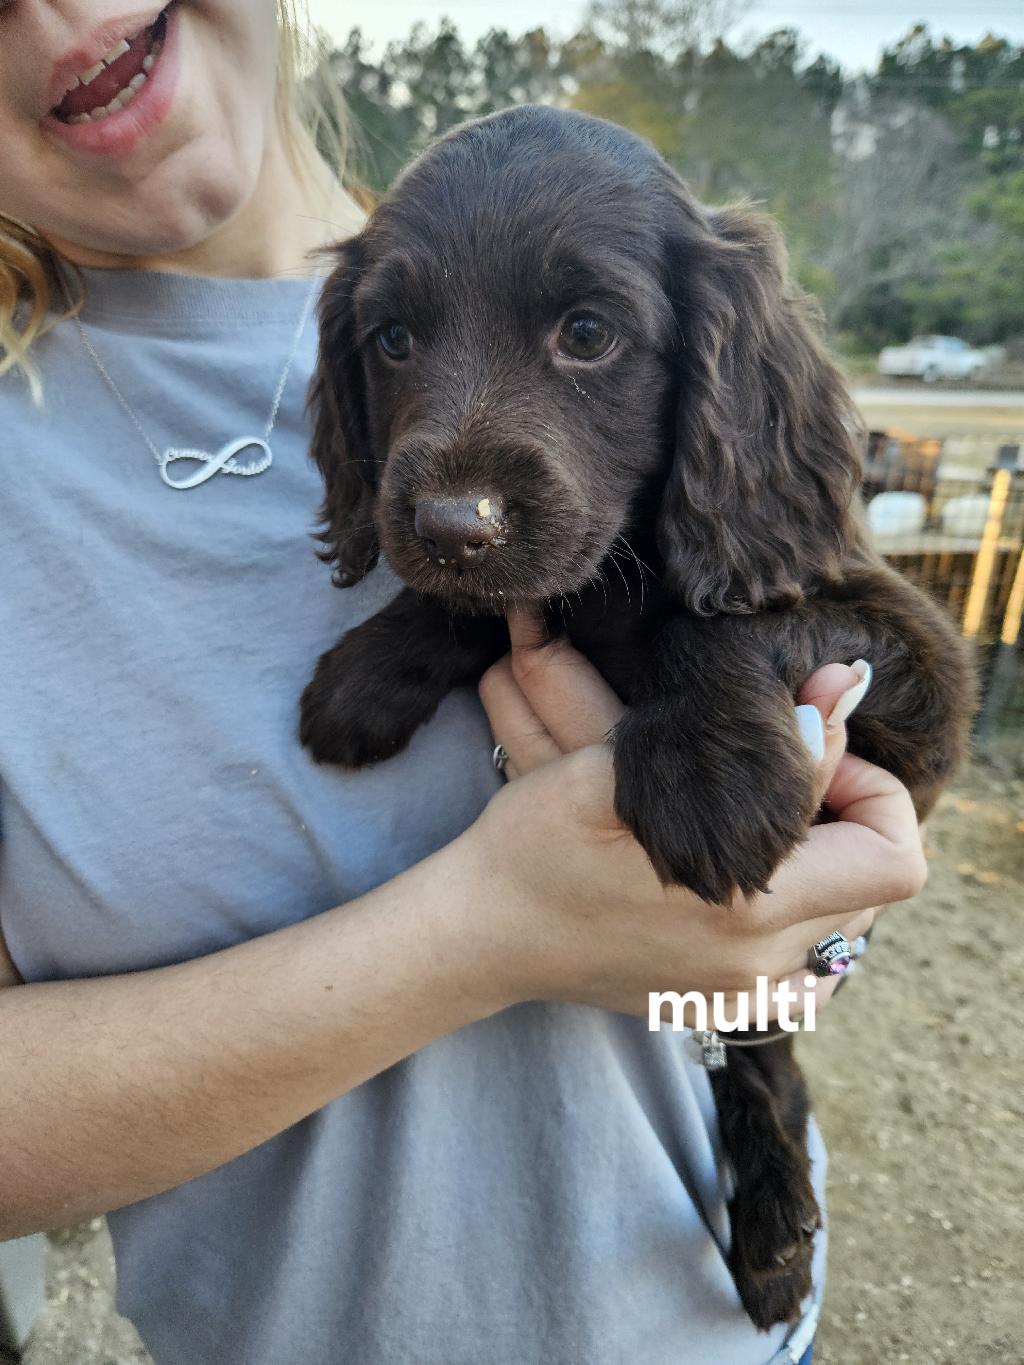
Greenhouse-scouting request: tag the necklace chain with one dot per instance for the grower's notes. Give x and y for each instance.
(224, 461)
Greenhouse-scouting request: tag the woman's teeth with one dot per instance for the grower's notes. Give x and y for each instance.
(87, 77)
(115, 80)
(125, 97)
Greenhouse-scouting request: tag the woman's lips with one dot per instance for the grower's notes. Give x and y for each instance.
(130, 114)
(98, 49)
(113, 81)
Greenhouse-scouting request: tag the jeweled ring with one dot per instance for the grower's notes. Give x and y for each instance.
(831, 955)
(499, 758)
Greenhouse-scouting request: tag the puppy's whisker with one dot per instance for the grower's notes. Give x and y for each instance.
(640, 563)
(352, 534)
(604, 588)
(599, 577)
(614, 556)
(625, 580)
(365, 526)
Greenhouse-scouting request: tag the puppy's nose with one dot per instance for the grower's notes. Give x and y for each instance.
(457, 530)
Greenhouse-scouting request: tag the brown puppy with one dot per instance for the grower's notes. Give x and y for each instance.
(548, 374)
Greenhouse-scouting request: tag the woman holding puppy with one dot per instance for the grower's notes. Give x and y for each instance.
(358, 1064)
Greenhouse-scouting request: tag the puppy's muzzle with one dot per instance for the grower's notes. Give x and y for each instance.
(459, 531)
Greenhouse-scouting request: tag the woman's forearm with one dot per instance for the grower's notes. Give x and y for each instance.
(115, 1088)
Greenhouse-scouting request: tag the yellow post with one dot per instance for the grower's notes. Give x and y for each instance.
(977, 596)
(1014, 606)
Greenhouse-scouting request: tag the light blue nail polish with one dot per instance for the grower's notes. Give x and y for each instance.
(812, 731)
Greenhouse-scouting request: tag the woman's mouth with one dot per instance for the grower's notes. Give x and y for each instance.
(118, 100)
(116, 80)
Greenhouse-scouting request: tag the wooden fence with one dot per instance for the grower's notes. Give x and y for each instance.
(959, 534)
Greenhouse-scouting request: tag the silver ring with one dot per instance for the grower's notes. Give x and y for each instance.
(831, 955)
(499, 758)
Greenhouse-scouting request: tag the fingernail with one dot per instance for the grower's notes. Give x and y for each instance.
(853, 696)
(812, 730)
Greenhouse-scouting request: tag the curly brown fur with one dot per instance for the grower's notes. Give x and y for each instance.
(685, 505)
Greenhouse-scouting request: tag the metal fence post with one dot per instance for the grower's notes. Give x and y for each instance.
(1007, 660)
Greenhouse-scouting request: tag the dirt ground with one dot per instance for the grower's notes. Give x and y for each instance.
(917, 1075)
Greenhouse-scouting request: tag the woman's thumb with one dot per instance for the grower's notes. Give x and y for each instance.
(826, 700)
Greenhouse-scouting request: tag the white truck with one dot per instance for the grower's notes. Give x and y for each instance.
(931, 358)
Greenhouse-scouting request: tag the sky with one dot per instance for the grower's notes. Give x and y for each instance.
(854, 33)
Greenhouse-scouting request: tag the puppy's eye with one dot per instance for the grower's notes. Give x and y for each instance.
(395, 340)
(585, 337)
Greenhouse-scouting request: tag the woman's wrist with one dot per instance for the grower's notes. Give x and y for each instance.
(483, 926)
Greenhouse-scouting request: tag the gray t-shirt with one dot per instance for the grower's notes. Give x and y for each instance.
(543, 1188)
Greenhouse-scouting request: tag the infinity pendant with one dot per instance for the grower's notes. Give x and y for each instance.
(223, 462)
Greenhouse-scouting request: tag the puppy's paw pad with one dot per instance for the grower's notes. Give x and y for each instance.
(709, 818)
(773, 1225)
(358, 709)
(775, 1221)
(333, 732)
(772, 1299)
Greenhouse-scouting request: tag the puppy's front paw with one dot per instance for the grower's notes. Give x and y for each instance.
(773, 1226)
(359, 707)
(716, 812)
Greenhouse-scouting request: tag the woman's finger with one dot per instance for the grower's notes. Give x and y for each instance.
(851, 928)
(818, 699)
(567, 693)
(824, 987)
(799, 981)
(869, 855)
(514, 723)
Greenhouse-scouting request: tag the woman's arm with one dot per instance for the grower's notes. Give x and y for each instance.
(118, 1087)
(115, 1088)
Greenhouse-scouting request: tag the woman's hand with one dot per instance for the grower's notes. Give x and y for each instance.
(589, 919)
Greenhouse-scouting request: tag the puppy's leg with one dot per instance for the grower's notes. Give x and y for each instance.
(915, 720)
(386, 678)
(762, 1105)
(710, 772)
(714, 780)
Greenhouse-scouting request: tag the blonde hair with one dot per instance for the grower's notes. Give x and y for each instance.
(314, 132)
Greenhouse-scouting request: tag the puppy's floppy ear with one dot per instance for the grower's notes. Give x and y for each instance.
(341, 444)
(760, 502)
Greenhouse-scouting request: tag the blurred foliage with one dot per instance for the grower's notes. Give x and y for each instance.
(901, 191)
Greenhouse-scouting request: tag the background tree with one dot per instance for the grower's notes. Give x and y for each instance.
(901, 193)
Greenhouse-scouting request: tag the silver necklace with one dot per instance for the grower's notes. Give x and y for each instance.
(225, 460)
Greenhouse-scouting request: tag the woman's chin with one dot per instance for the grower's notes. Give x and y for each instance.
(176, 219)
